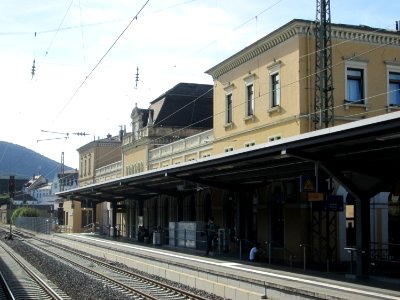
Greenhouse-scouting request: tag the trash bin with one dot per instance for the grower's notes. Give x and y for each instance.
(156, 238)
(112, 232)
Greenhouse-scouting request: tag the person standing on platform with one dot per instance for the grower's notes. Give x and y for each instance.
(211, 231)
(253, 253)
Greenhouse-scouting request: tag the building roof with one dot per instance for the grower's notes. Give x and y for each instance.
(36, 182)
(183, 105)
(110, 140)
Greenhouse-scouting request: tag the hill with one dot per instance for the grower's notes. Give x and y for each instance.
(23, 162)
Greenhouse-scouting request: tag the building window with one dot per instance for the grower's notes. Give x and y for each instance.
(228, 109)
(249, 101)
(90, 165)
(394, 89)
(229, 105)
(274, 85)
(356, 82)
(355, 85)
(275, 90)
(274, 138)
(228, 149)
(250, 144)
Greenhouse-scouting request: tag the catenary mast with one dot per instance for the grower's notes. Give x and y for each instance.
(323, 93)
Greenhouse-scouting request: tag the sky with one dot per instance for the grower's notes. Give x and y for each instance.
(87, 52)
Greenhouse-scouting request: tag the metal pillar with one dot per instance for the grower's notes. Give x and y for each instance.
(114, 217)
(362, 236)
(323, 92)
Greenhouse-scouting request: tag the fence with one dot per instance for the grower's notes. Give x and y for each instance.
(37, 224)
(385, 259)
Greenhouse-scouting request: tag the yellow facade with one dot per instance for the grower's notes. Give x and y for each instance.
(135, 160)
(95, 155)
(92, 156)
(289, 53)
(73, 215)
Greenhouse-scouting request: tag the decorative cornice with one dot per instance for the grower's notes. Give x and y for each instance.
(301, 28)
(263, 45)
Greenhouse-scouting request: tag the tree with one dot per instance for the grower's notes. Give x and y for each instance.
(24, 212)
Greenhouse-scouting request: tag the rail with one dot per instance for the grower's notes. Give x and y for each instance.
(45, 287)
(6, 290)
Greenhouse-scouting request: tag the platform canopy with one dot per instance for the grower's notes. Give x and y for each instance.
(363, 156)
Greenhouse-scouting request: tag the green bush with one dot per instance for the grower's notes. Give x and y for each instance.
(24, 212)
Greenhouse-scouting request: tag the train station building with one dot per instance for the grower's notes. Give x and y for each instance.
(250, 152)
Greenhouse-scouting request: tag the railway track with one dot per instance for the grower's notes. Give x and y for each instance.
(132, 284)
(19, 280)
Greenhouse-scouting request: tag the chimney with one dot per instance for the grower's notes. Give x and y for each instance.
(121, 134)
(397, 25)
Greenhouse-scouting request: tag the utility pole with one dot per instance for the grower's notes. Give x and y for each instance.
(11, 191)
(324, 222)
(323, 93)
(62, 173)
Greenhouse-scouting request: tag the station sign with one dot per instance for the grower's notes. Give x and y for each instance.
(315, 197)
(308, 184)
(332, 203)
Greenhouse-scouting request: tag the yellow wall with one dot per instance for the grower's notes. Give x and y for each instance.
(73, 208)
(95, 157)
(135, 160)
(294, 56)
(265, 124)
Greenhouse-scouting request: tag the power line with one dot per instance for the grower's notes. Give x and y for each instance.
(58, 29)
(99, 62)
(285, 86)
(291, 83)
(83, 40)
(309, 115)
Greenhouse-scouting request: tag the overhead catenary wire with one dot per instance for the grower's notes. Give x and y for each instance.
(260, 95)
(58, 29)
(294, 82)
(82, 36)
(285, 86)
(100, 61)
(95, 23)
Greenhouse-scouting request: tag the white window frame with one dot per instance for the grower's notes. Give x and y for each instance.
(249, 103)
(274, 70)
(360, 65)
(391, 68)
